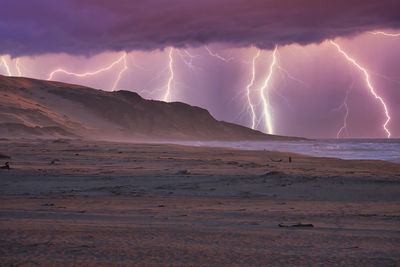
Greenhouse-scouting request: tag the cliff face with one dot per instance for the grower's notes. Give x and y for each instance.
(36, 108)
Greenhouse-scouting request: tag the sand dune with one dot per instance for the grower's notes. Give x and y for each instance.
(71, 201)
(38, 108)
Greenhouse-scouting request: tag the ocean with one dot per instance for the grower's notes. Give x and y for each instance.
(375, 149)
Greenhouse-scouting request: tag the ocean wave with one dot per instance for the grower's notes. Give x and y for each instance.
(374, 149)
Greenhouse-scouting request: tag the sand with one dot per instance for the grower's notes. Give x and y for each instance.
(87, 203)
(31, 108)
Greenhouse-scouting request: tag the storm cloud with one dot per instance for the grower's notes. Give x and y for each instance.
(92, 26)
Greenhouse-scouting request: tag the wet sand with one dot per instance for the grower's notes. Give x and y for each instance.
(92, 203)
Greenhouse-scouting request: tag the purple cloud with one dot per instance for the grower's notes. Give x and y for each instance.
(90, 26)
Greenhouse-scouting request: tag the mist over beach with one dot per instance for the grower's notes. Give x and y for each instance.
(199, 133)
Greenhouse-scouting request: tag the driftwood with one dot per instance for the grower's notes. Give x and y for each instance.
(6, 166)
(273, 160)
(297, 225)
(271, 173)
(54, 161)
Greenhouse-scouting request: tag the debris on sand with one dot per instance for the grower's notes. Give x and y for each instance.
(54, 161)
(61, 141)
(272, 173)
(184, 172)
(276, 160)
(6, 166)
(297, 225)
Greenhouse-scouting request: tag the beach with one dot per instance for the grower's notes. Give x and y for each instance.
(92, 203)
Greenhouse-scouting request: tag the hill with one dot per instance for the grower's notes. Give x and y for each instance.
(47, 109)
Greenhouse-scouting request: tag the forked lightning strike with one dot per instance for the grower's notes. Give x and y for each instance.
(291, 77)
(187, 58)
(387, 34)
(121, 59)
(346, 108)
(7, 67)
(211, 53)
(4, 62)
(368, 82)
(266, 112)
(17, 67)
(253, 77)
(167, 96)
(267, 115)
(120, 73)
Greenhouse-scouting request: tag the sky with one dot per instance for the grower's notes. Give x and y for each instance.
(322, 69)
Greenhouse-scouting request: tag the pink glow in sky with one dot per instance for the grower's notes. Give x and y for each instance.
(313, 91)
(307, 88)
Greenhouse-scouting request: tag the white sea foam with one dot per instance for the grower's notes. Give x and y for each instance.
(377, 149)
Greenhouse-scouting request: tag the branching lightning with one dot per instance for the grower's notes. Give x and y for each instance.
(368, 82)
(4, 62)
(167, 96)
(253, 76)
(121, 59)
(346, 108)
(211, 53)
(386, 34)
(262, 104)
(8, 68)
(291, 77)
(267, 115)
(120, 73)
(187, 58)
(17, 67)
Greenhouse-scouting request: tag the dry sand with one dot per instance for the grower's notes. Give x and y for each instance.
(31, 108)
(88, 203)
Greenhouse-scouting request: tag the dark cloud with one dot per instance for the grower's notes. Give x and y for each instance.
(31, 27)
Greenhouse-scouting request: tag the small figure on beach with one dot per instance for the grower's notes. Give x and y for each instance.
(290, 159)
(184, 172)
(6, 166)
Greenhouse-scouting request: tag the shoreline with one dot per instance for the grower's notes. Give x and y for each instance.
(101, 204)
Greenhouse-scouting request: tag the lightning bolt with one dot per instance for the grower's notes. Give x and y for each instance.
(291, 77)
(267, 115)
(346, 108)
(211, 53)
(253, 77)
(120, 73)
(368, 82)
(80, 75)
(4, 62)
(17, 67)
(167, 96)
(386, 34)
(287, 76)
(7, 67)
(187, 58)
